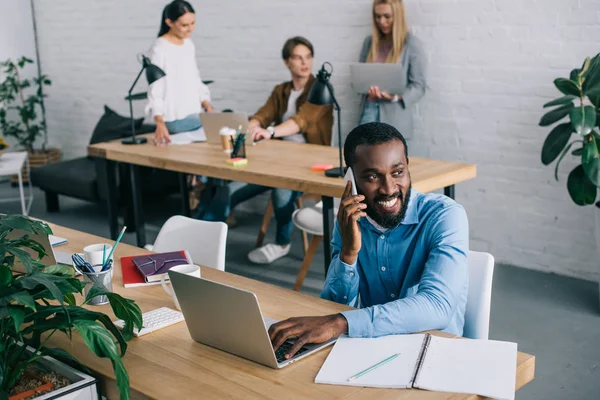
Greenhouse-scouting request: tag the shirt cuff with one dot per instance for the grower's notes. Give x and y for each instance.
(346, 272)
(359, 323)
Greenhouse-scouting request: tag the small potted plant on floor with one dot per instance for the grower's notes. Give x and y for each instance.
(40, 302)
(581, 104)
(21, 99)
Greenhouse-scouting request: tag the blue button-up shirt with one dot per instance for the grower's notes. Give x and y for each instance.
(409, 279)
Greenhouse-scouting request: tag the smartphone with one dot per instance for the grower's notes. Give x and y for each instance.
(350, 177)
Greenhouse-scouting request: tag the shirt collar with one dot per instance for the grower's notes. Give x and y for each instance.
(411, 217)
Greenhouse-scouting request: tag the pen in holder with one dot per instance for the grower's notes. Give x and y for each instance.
(239, 146)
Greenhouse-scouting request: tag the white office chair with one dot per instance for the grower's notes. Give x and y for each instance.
(204, 240)
(310, 220)
(479, 297)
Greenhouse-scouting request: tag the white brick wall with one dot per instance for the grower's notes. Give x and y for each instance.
(492, 63)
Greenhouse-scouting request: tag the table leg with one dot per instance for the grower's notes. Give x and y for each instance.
(327, 229)
(185, 194)
(138, 211)
(21, 193)
(449, 191)
(109, 168)
(30, 202)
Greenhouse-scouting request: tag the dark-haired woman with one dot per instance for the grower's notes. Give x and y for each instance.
(177, 99)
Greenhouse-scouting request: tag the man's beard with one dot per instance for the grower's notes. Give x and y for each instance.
(389, 221)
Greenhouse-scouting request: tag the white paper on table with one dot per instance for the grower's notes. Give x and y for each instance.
(188, 137)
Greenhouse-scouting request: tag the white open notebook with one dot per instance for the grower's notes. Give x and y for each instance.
(484, 367)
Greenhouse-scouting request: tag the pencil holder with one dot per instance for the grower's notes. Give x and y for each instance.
(101, 280)
(239, 147)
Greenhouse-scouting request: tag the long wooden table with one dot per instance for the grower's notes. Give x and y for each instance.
(168, 364)
(272, 163)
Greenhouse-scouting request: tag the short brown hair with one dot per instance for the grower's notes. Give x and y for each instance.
(291, 43)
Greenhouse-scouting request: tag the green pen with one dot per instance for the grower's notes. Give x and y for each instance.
(379, 364)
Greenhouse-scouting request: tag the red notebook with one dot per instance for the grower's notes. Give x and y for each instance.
(132, 276)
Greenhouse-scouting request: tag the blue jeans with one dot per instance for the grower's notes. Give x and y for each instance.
(189, 123)
(370, 112)
(283, 207)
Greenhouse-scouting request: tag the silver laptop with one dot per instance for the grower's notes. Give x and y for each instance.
(230, 319)
(213, 122)
(390, 78)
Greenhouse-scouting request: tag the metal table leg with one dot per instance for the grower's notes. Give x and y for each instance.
(327, 229)
(449, 191)
(109, 168)
(185, 194)
(138, 212)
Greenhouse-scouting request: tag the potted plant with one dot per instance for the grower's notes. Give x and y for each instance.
(40, 302)
(19, 111)
(581, 104)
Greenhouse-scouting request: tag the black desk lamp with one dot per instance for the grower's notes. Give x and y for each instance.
(321, 94)
(153, 73)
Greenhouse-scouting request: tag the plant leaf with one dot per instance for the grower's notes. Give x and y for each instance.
(583, 119)
(29, 282)
(100, 341)
(555, 142)
(560, 101)
(5, 276)
(591, 84)
(24, 298)
(555, 115)
(595, 100)
(567, 86)
(581, 190)
(577, 152)
(574, 75)
(123, 308)
(562, 155)
(17, 313)
(59, 269)
(590, 159)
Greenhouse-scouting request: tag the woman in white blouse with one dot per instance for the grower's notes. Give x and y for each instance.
(177, 99)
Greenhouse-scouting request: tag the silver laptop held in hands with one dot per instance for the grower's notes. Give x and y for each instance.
(230, 319)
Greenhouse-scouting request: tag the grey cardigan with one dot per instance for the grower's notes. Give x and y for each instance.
(414, 63)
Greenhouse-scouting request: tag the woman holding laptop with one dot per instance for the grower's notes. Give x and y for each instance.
(391, 42)
(176, 100)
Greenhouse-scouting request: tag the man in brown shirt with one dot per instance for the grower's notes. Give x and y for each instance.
(287, 116)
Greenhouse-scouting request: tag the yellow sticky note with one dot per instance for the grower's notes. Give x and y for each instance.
(236, 162)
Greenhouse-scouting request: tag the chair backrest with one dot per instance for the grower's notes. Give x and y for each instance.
(204, 240)
(479, 297)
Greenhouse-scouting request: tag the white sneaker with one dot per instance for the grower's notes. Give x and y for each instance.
(268, 253)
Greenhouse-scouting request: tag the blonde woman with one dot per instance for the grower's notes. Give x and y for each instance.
(391, 42)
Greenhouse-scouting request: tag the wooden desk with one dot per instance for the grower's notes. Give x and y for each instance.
(168, 364)
(272, 163)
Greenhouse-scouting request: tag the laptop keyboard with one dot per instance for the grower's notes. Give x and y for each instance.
(284, 348)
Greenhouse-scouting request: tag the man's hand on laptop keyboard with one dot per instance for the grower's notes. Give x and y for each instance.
(307, 330)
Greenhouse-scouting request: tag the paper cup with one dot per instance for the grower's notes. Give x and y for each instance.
(226, 135)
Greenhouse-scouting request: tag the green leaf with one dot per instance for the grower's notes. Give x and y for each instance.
(5, 276)
(17, 314)
(70, 299)
(123, 308)
(574, 75)
(22, 256)
(595, 100)
(100, 341)
(555, 115)
(59, 269)
(48, 281)
(24, 298)
(581, 190)
(590, 159)
(591, 84)
(555, 142)
(567, 86)
(562, 155)
(577, 152)
(583, 119)
(560, 101)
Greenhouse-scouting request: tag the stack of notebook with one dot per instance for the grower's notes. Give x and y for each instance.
(149, 269)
